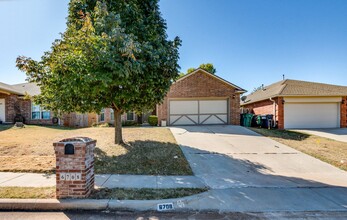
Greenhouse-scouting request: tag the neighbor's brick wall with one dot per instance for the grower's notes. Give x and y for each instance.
(261, 108)
(280, 118)
(201, 85)
(266, 107)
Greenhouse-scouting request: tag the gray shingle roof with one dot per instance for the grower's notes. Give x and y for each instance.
(21, 89)
(9, 89)
(29, 88)
(291, 87)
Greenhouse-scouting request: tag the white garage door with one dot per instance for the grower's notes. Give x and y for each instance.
(311, 115)
(198, 112)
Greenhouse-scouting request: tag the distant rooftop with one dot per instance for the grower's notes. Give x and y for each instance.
(291, 87)
(21, 89)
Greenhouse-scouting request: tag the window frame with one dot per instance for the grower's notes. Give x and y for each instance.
(102, 115)
(40, 112)
(133, 118)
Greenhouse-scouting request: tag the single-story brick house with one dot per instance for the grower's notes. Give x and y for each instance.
(13, 102)
(200, 98)
(300, 104)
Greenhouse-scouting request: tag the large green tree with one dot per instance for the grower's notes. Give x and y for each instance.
(113, 54)
(205, 66)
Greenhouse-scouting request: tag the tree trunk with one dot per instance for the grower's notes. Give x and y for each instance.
(118, 137)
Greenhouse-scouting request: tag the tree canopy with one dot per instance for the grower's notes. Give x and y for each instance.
(113, 54)
(205, 66)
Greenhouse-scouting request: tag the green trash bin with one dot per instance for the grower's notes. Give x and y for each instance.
(259, 120)
(247, 120)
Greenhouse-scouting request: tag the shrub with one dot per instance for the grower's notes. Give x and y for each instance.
(129, 123)
(153, 120)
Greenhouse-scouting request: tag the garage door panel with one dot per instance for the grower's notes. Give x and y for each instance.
(213, 119)
(184, 120)
(313, 115)
(194, 112)
(184, 107)
(213, 106)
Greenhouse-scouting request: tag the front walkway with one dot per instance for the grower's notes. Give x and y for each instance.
(106, 180)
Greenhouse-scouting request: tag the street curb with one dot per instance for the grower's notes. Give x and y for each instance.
(180, 204)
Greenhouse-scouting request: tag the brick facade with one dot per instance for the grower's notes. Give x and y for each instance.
(202, 85)
(17, 105)
(266, 107)
(280, 118)
(75, 172)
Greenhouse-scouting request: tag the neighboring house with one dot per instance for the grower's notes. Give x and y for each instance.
(200, 98)
(13, 102)
(300, 104)
(107, 116)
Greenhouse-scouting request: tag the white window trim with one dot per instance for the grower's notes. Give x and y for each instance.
(40, 115)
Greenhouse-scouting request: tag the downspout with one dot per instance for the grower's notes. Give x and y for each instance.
(274, 111)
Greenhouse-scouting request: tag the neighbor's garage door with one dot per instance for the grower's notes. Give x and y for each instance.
(198, 112)
(311, 115)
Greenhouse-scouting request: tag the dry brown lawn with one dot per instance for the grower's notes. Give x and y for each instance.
(330, 151)
(151, 151)
(27, 192)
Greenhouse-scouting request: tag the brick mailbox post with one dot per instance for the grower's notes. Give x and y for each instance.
(74, 167)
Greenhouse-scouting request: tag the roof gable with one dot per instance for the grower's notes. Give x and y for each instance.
(239, 89)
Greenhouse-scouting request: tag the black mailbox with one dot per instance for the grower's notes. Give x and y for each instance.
(69, 149)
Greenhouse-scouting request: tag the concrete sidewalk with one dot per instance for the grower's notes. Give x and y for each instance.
(104, 180)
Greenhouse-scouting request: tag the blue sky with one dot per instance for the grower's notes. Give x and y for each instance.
(250, 42)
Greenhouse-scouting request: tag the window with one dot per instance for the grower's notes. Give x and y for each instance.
(102, 115)
(37, 112)
(112, 115)
(130, 116)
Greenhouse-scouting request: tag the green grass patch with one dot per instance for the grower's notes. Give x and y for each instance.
(144, 194)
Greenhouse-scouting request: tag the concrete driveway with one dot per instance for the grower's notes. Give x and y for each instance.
(242, 168)
(338, 134)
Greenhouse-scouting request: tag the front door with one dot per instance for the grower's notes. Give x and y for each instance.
(2, 110)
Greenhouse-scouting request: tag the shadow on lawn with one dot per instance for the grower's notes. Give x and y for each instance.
(5, 127)
(284, 134)
(144, 158)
